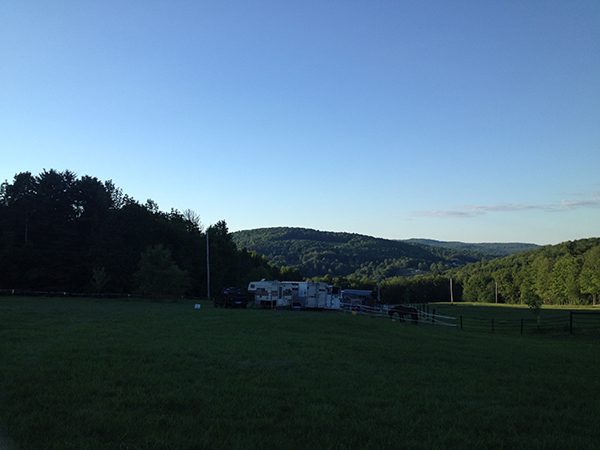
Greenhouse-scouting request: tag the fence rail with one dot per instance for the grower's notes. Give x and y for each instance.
(572, 322)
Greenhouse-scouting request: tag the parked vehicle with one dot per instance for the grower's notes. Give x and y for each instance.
(312, 295)
(231, 297)
(294, 294)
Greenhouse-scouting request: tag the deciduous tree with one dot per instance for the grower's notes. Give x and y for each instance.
(590, 273)
(159, 276)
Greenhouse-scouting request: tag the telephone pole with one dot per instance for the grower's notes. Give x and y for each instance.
(207, 268)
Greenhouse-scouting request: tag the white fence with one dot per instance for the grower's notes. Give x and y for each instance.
(383, 312)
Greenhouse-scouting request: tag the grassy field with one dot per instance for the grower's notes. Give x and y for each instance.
(517, 319)
(88, 374)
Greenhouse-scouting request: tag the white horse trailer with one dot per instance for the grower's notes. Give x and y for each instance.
(334, 297)
(294, 294)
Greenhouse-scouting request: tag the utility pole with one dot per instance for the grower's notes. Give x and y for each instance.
(207, 268)
(451, 293)
(496, 292)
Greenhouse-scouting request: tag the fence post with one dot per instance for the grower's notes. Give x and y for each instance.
(461, 327)
(521, 326)
(571, 322)
(433, 316)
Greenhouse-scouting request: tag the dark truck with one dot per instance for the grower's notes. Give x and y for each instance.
(231, 297)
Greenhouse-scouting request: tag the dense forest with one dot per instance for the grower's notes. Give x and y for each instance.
(567, 273)
(491, 249)
(319, 253)
(59, 232)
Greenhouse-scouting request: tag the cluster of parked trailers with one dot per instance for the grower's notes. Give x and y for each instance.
(309, 295)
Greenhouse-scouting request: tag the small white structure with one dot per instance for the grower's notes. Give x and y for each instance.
(295, 294)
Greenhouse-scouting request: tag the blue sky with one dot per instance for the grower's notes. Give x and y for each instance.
(468, 121)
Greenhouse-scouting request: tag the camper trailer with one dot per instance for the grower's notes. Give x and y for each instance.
(294, 294)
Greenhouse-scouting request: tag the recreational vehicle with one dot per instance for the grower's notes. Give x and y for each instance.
(295, 294)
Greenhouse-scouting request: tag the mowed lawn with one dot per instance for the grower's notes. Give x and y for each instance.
(109, 374)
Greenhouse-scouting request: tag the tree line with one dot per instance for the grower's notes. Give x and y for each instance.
(61, 232)
(399, 289)
(567, 273)
(492, 249)
(563, 274)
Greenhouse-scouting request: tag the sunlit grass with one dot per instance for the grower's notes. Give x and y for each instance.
(86, 374)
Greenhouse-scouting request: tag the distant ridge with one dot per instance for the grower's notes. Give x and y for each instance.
(496, 249)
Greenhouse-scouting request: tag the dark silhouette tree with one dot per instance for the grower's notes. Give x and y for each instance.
(159, 276)
(57, 231)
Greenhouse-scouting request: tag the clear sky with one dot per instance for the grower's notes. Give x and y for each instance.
(476, 121)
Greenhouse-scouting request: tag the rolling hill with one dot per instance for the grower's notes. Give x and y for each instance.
(319, 253)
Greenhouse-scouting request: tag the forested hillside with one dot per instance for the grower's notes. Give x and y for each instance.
(493, 249)
(59, 232)
(567, 273)
(319, 253)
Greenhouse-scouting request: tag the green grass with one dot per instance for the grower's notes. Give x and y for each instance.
(510, 318)
(87, 374)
